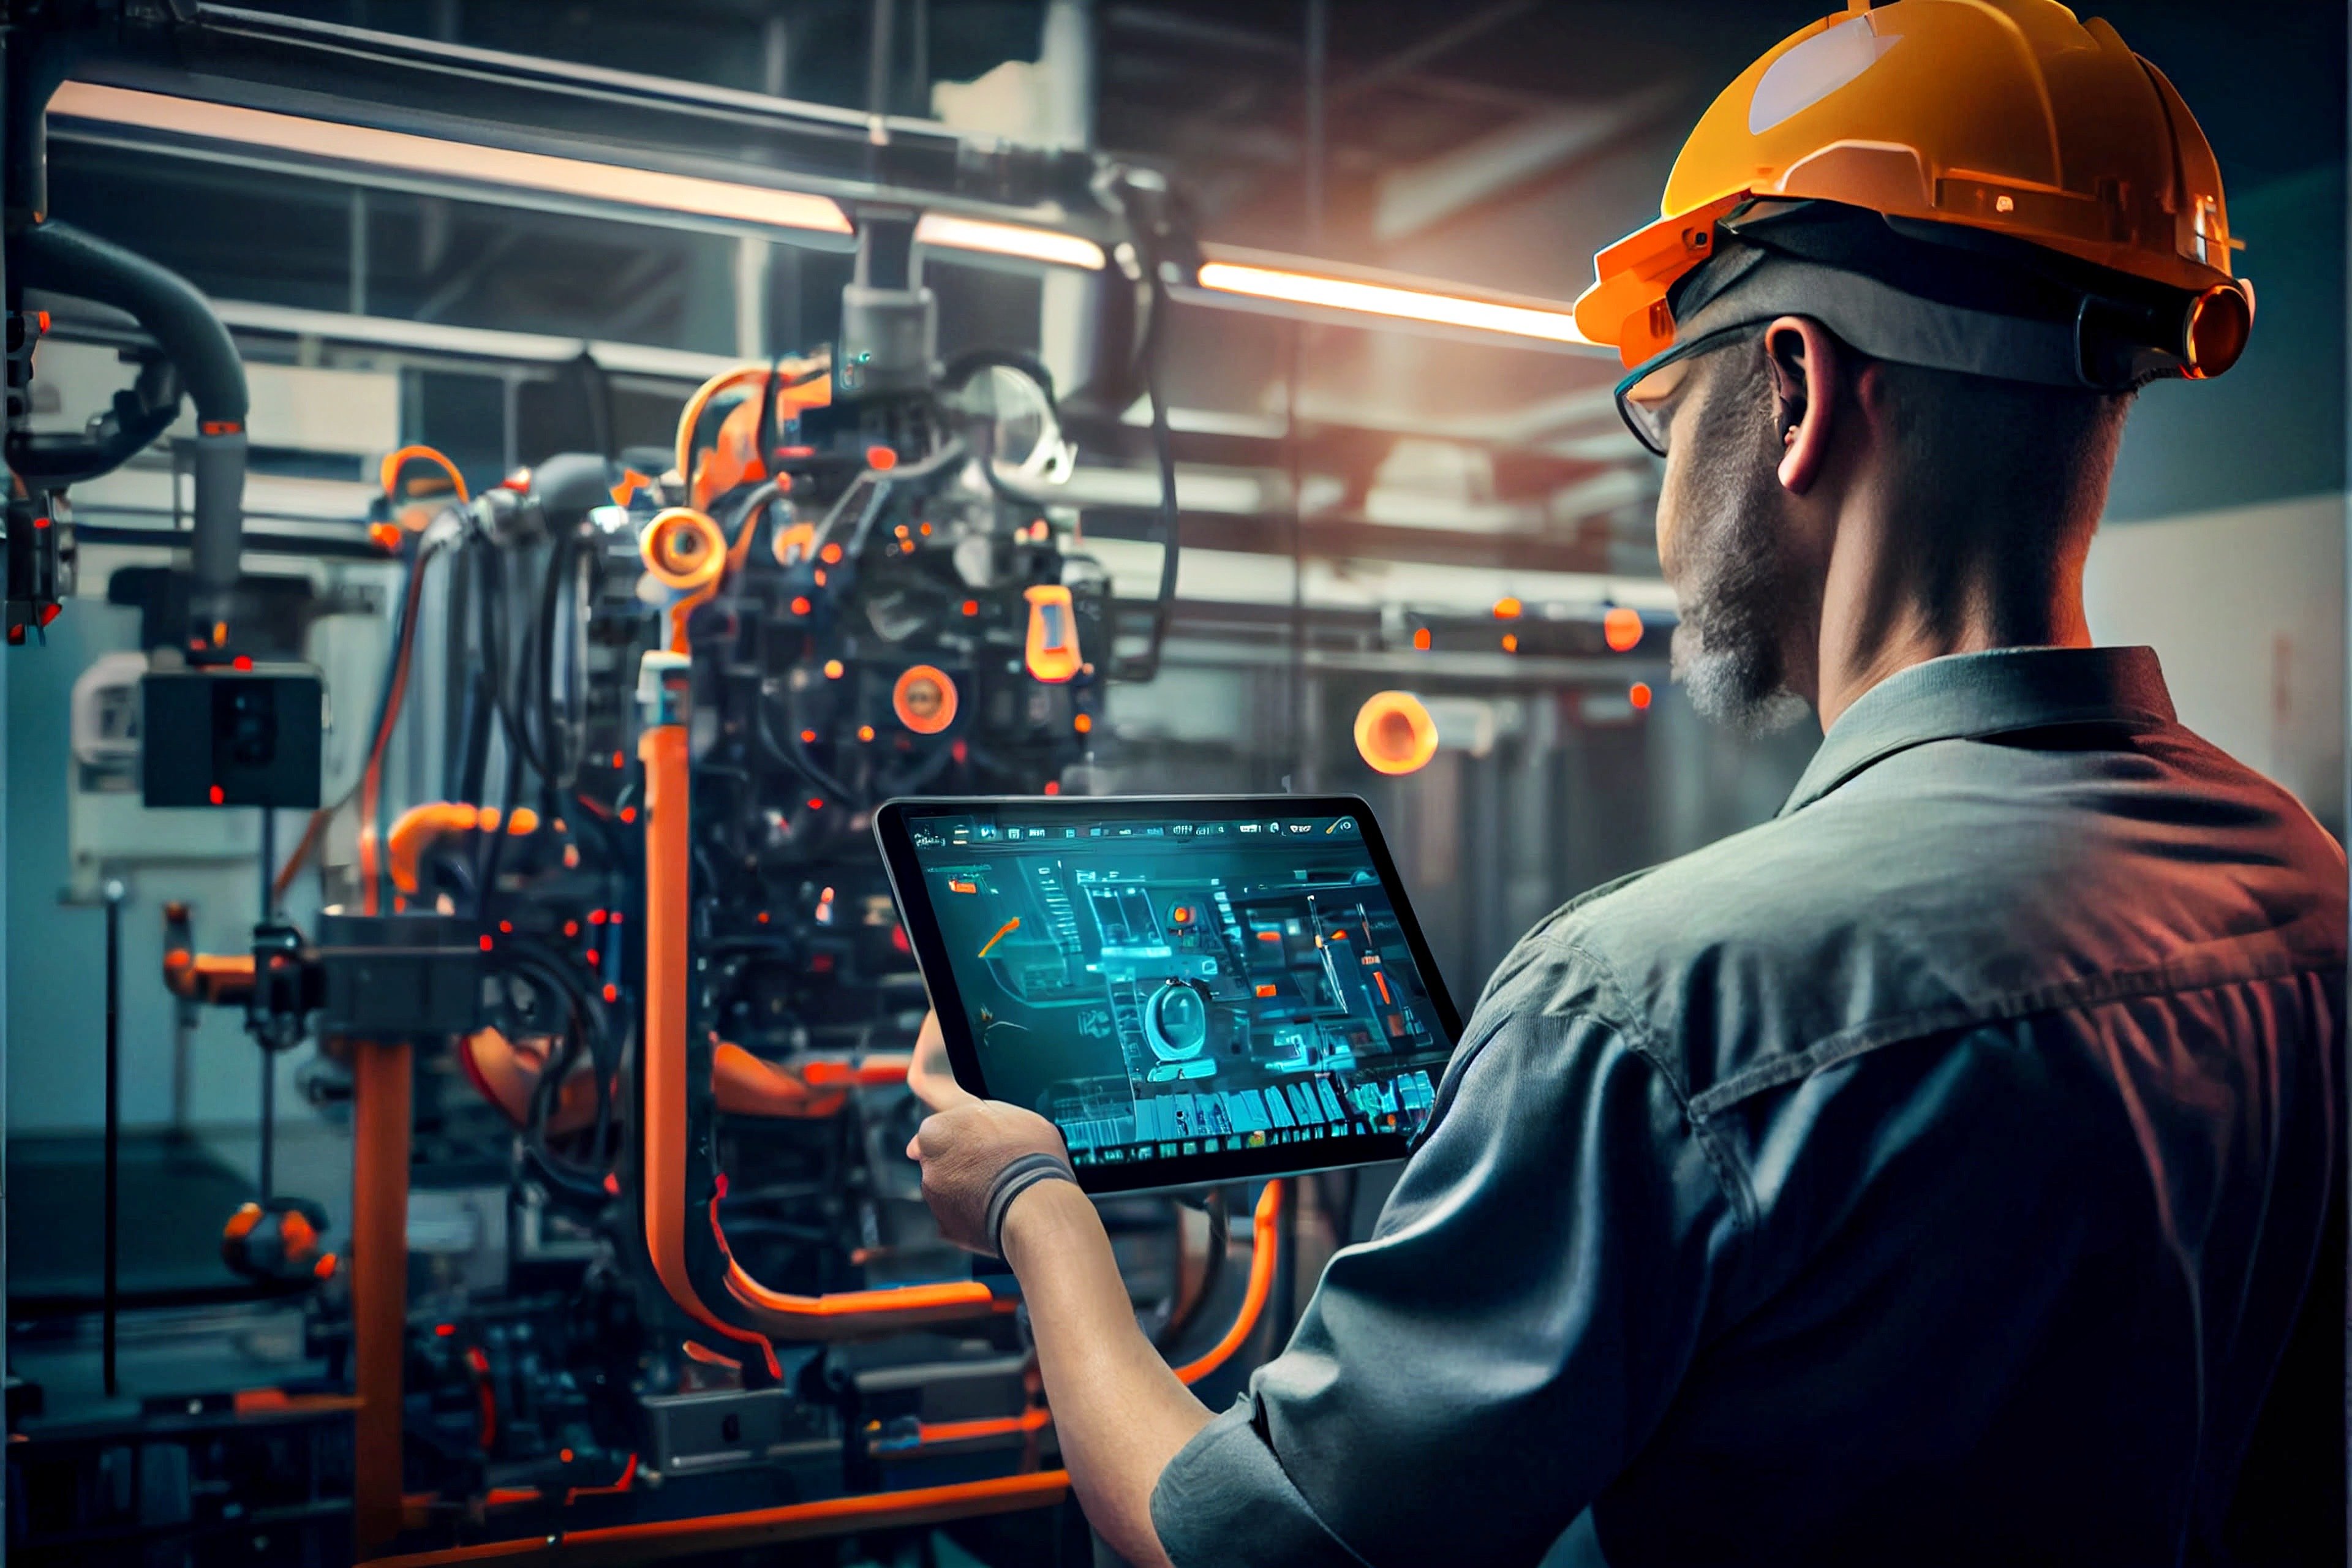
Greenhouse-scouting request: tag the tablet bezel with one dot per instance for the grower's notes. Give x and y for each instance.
(915, 913)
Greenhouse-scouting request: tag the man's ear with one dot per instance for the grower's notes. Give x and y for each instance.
(1806, 374)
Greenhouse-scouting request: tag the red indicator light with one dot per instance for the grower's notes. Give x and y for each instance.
(612, 993)
(1421, 638)
(595, 917)
(1622, 628)
(628, 813)
(218, 794)
(572, 928)
(1053, 787)
(241, 662)
(1639, 694)
(619, 761)
(972, 606)
(800, 606)
(817, 802)
(486, 941)
(881, 459)
(506, 928)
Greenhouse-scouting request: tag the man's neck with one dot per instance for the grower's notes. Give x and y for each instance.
(1877, 619)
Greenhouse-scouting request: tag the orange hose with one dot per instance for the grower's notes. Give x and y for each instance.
(744, 1085)
(380, 1154)
(1264, 1244)
(808, 384)
(662, 748)
(217, 978)
(724, 382)
(634, 1543)
(371, 780)
(388, 475)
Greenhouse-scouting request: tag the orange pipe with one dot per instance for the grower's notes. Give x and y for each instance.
(695, 574)
(842, 1315)
(208, 977)
(662, 749)
(419, 826)
(633, 1543)
(388, 473)
(744, 1085)
(379, 1248)
(691, 415)
(1036, 1418)
(814, 390)
(507, 1075)
(1265, 1242)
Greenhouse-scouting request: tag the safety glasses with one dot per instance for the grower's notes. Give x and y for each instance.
(1646, 397)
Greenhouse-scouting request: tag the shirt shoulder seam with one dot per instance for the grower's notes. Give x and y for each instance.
(2198, 972)
(1627, 1023)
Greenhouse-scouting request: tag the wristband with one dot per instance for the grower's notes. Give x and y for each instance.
(1015, 1179)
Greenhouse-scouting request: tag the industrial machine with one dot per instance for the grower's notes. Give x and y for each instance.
(620, 1017)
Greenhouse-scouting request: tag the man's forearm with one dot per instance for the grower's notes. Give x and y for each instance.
(1120, 1413)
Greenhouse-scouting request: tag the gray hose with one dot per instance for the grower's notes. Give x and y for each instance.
(64, 259)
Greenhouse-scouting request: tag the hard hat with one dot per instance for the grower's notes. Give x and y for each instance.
(2003, 117)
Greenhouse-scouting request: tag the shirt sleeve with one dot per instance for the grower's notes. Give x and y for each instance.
(1464, 1384)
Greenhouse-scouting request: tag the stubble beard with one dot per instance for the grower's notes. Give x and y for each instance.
(1735, 577)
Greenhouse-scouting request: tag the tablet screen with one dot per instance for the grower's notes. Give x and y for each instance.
(1166, 980)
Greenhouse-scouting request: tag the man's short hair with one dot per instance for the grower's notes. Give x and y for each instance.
(1999, 474)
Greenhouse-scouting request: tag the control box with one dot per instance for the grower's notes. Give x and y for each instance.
(245, 736)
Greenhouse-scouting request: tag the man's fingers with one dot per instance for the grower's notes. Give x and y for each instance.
(929, 1075)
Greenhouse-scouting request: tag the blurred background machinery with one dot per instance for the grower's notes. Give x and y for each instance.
(504, 489)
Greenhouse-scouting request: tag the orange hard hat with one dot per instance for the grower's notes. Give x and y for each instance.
(2005, 116)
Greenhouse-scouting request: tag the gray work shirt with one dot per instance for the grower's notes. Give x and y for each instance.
(1932, 1174)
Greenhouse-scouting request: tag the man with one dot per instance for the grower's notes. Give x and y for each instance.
(1934, 1173)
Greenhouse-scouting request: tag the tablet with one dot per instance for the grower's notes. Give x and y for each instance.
(1194, 989)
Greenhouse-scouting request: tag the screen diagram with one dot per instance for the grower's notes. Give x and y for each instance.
(1167, 987)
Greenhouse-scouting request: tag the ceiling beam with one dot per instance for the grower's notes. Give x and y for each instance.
(1444, 41)
(1421, 196)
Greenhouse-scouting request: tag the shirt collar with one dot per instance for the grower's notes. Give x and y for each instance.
(1967, 696)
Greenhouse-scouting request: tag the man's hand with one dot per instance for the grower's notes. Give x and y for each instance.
(930, 1076)
(1120, 1413)
(966, 1142)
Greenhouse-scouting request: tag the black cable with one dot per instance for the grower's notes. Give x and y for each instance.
(596, 390)
(403, 652)
(583, 1031)
(1146, 665)
(1182, 1317)
(111, 1196)
(491, 592)
(563, 768)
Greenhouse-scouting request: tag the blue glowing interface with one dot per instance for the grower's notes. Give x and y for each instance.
(1161, 988)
